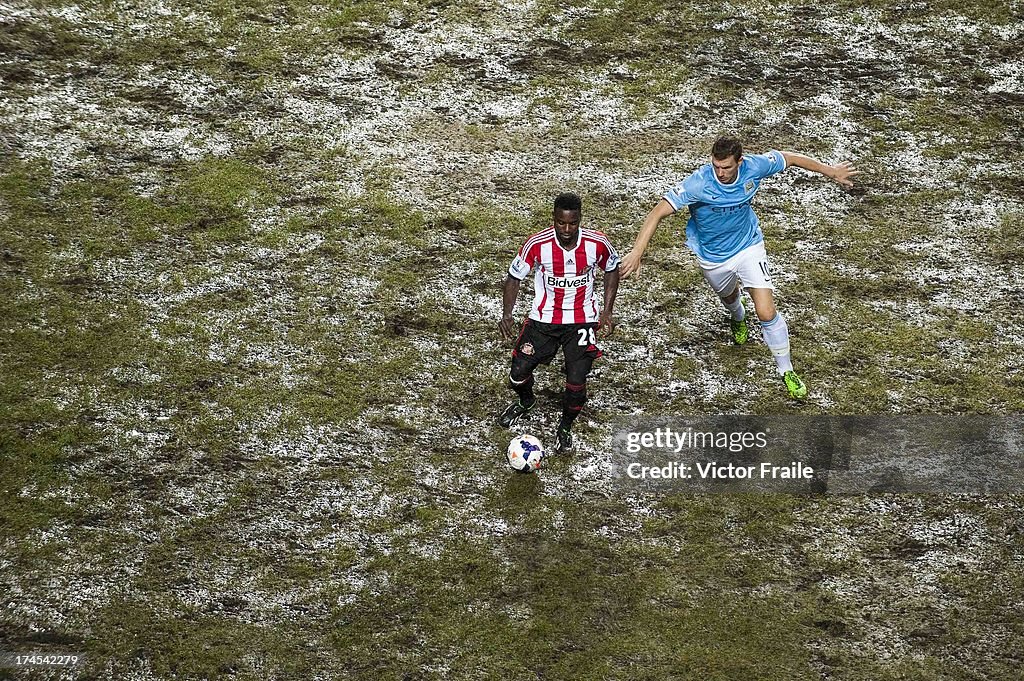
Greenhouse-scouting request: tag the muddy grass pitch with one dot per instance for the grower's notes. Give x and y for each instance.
(249, 265)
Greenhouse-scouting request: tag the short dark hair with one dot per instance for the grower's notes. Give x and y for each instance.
(568, 201)
(726, 146)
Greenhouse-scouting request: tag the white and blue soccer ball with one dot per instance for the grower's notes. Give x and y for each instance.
(525, 453)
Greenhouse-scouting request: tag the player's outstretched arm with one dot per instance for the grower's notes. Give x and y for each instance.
(509, 294)
(606, 323)
(841, 172)
(631, 261)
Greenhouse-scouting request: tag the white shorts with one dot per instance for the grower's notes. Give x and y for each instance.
(749, 266)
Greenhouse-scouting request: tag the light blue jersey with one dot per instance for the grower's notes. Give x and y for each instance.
(722, 223)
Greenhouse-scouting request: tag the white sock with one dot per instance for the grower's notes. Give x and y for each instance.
(776, 337)
(736, 308)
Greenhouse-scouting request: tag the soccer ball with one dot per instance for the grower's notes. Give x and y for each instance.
(525, 452)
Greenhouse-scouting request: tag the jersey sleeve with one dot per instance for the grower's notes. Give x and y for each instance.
(611, 258)
(684, 193)
(766, 165)
(605, 257)
(523, 262)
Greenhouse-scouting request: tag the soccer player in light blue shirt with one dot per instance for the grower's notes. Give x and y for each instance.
(724, 234)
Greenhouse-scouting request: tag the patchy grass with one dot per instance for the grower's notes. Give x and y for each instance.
(250, 258)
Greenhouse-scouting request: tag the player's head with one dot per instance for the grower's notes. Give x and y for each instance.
(726, 154)
(566, 216)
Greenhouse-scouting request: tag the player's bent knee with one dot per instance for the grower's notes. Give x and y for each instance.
(521, 371)
(730, 298)
(766, 313)
(764, 303)
(764, 306)
(519, 379)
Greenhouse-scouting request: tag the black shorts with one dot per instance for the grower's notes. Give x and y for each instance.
(538, 343)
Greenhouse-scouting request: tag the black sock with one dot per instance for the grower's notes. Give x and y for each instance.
(525, 391)
(572, 403)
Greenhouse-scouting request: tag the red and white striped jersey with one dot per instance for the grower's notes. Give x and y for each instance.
(564, 279)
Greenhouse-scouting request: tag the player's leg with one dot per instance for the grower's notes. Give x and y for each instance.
(764, 303)
(521, 380)
(776, 337)
(722, 279)
(579, 346)
(737, 317)
(756, 275)
(531, 348)
(773, 327)
(573, 400)
(520, 377)
(734, 304)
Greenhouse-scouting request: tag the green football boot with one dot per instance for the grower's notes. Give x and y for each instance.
(740, 331)
(795, 386)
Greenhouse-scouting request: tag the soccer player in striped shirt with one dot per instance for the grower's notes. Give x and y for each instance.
(724, 234)
(565, 313)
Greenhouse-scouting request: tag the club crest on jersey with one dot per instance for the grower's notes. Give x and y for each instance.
(748, 186)
(526, 348)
